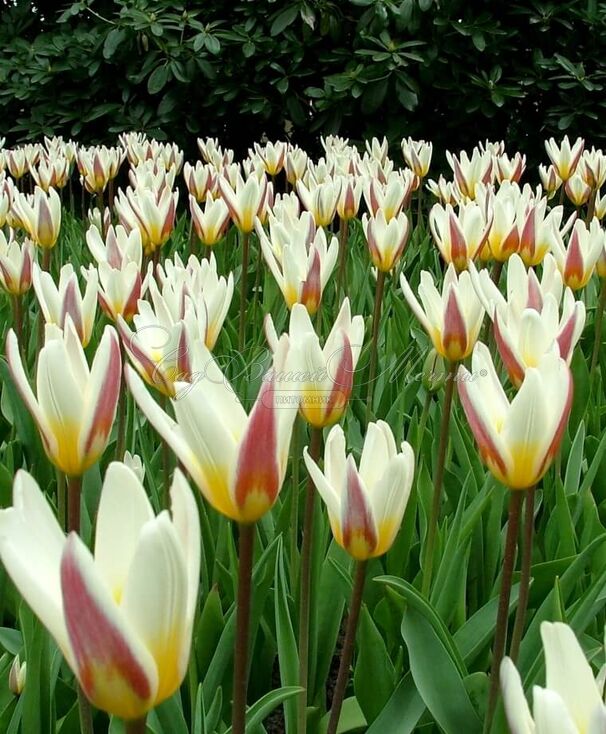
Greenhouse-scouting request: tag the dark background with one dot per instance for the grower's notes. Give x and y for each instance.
(453, 71)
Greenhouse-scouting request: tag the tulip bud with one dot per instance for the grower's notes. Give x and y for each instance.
(434, 372)
(16, 676)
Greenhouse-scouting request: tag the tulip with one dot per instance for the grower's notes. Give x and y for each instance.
(51, 173)
(40, 216)
(295, 164)
(211, 223)
(592, 168)
(151, 174)
(391, 197)
(350, 194)
(201, 180)
(66, 300)
(320, 199)
(550, 180)
(539, 231)
(16, 263)
(510, 169)
(327, 381)
(503, 238)
(446, 191)
(152, 214)
(245, 200)
(17, 163)
(123, 619)
(377, 149)
(452, 318)
(564, 158)
(214, 154)
(216, 440)
(386, 240)
(300, 260)
(272, 156)
(117, 247)
(101, 219)
(517, 440)
(577, 261)
(17, 676)
(98, 166)
(75, 405)
(459, 237)
(469, 172)
(417, 154)
(577, 190)
(570, 703)
(365, 505)
(119, 289)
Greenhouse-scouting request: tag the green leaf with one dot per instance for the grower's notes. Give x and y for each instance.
(287, 645)
(437, 676)
(265, 705)
(373, 664)
(284, 19)
(158, 78)
(113, 39)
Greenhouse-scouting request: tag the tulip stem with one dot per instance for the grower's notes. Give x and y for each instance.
(243, 289)
(376, 321)
(135, 727)
(518, 627)
(438, 478)
(342, 275)
(348, 647)
(242, 641)
(18, 321)
(294, 506)
(500, 638)
(420, 205)
(74, 493)
(305, 590)
(599, 317)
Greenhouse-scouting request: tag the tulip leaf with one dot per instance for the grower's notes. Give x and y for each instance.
(402, 712)
(265, 705)
(287, 645)
(373, 664)
(351, 718)
(437, 676)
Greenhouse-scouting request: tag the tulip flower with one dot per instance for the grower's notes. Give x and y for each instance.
(327, 380)
(320, 199)
(117, 247)
(211, 223)
(563, 157)
(350, 194)
(510, 169)
(550, 180)
(365, 505)
(517, 440)
(577, 190)
(100, 219)
(75, 405)
(151, 174)
(201, 180)
(273, 156)
(577, 261)
(417, 154)
(119, 289)
(98, 166)
(214, 154)
(17, 163)
(218, 443)
(245, 200)
(40, 216)
(51, 173)
(59, 302)
(17, 676)
(469, 172)
(571, 701)
(122, 618)
(503, 238)
(592, 168)
(452, 318)
(16, 264)
(300, 259)
(459, 237)
(295, 164)
(391, 197)
(153, 214)
(447, 192)
(386, 240)
(539, 231)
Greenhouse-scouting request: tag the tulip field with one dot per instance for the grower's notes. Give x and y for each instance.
(302, 444)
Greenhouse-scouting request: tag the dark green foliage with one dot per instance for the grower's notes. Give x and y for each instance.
(443, 70)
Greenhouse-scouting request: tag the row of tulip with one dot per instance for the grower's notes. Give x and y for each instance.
(123, 617)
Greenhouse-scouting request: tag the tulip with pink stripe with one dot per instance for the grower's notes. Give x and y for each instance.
(122, 618)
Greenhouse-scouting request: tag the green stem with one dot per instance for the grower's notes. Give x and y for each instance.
(348, 647)
(422, 426)
(304, 600)
(562, 191)
(243, 290)
(18, 321)
(294, 506)
(242, 641)
(518, 627)
(135, 727)
(376, 321)
(420, 205)
(342, 275)
(74, 495)
(599, 317)
(438, 479)
(590, 207)
(500, 638)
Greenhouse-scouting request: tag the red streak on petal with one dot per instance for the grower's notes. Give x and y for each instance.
(72, 305)
(458, 246)
(257, 469)
(564, 338)
(488, 450)
(559, 433)
(575, 267)
(455, 331)
(95, 641)
(342, 384)
(514, 368)
(107, 398)
(311, 292)
(357, 516)
(535, 295)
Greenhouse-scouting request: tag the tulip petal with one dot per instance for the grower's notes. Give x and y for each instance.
(550, 713)
(186, 520)
(155, 602)
(515, 704)
(114, 668)
(123, 511)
